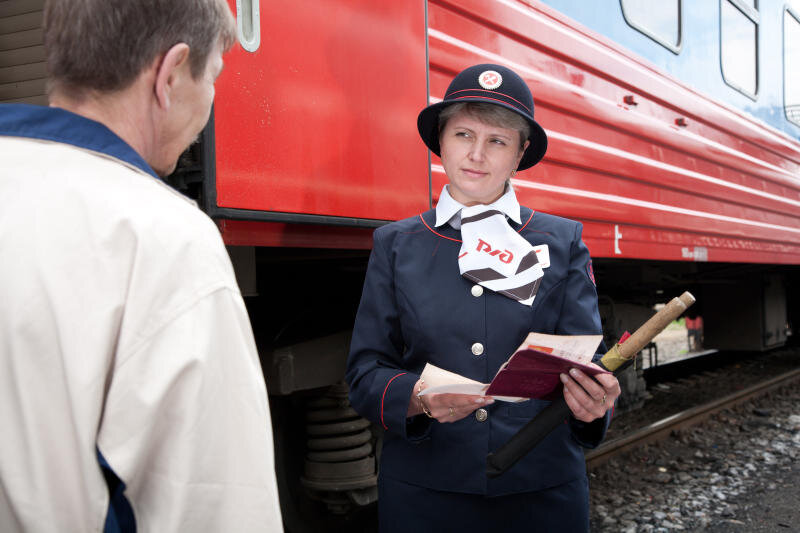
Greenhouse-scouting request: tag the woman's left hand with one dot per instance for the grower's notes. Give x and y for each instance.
(589, 398)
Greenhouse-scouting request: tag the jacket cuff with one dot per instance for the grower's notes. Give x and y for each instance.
(394, 408)
(590, 434)
(418, 428)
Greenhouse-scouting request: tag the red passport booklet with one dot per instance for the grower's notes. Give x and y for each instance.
(531, 373)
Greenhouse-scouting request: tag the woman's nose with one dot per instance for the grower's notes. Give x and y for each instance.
(476, 152)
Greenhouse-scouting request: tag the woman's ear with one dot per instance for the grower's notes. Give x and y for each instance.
(174, 64)
(522, 151)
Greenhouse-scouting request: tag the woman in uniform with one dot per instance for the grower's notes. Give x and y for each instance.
(434, 293)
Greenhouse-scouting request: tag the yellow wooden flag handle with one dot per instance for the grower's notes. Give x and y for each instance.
(621, 354)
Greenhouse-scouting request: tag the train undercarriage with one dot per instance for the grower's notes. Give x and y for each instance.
(302, 304)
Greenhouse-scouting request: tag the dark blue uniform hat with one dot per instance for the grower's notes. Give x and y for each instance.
(488, 84)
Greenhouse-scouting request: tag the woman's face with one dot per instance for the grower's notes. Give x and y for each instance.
(478, 158)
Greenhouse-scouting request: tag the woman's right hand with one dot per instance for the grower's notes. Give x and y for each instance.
(445, 407)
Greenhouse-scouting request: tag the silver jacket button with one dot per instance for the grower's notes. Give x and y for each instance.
(477, 291)
(481, 415)
(477, 348)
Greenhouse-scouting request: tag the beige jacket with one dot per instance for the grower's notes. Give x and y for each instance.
(122, 330)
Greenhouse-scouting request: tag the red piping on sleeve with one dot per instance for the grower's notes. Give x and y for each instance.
(384, 396)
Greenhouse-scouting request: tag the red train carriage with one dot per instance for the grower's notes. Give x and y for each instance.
(316, 144)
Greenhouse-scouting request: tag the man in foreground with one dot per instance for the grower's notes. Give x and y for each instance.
(131, 394)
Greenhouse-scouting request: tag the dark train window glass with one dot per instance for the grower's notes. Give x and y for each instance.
(791, 72)
(661, 21)
(739, 45)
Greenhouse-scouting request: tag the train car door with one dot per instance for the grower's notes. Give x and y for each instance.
(315, 114)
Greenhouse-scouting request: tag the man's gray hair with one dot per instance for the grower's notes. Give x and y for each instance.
(104, 45)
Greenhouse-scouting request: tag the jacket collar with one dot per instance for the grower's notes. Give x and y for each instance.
(62, 126)
(447, 231)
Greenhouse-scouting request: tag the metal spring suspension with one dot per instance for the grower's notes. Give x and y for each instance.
(340, 463)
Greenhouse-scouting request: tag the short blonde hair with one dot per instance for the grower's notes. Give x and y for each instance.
(491, 114)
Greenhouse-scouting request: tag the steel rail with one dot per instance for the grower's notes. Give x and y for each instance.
(690, 417)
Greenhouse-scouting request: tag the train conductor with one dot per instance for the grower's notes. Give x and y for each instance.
(435, 294)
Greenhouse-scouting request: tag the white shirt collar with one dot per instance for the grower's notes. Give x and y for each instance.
(449, 210)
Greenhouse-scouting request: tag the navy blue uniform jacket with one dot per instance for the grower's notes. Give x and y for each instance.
(417, 308)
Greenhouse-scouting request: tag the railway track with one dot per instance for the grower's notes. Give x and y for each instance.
(735, 471)
(685, 418)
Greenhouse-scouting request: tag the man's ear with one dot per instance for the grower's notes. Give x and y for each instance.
(174, 64)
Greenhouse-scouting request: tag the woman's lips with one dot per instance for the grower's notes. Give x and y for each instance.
(473, 173)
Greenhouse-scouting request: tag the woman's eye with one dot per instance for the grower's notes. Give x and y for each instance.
(498, 141)
(462, 134)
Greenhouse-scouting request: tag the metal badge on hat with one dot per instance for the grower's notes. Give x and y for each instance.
(490, 79)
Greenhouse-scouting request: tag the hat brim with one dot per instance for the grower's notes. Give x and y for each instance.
(428, 127)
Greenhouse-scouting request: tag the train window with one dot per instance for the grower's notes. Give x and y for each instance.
(661, 21)
(791, 74)
(739, 45)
